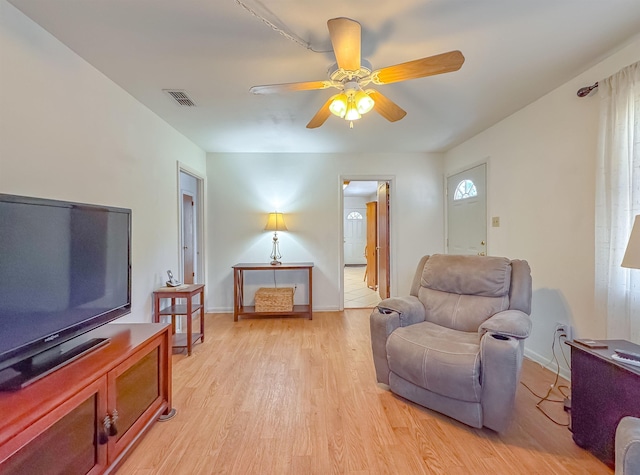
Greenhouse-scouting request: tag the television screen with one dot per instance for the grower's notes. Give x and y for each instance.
(64, 270)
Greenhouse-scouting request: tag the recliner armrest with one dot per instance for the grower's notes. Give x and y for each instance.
(409, 309)
(513, 323)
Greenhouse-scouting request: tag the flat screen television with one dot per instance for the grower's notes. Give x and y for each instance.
(65, 269)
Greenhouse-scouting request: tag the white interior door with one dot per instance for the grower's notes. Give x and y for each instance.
(467, 212)
(355, 236)
(188, 234)
(191, 228)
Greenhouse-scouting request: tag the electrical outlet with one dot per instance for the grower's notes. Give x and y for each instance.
(564, 329)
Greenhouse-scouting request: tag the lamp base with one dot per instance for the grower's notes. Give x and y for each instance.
(275, 251)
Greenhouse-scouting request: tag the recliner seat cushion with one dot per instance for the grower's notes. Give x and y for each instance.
(442, 360)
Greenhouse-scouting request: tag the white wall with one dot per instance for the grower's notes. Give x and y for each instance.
(541, 183)
(243, 188)
(67, 132)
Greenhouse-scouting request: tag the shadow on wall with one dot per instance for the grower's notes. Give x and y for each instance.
(548, 307)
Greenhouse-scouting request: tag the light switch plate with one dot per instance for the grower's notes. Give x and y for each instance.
(495, 221)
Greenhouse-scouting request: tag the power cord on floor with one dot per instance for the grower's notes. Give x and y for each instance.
(560, 388)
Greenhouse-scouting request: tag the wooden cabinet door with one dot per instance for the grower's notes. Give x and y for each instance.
(372, 244)
(135, 391)
(69, 440)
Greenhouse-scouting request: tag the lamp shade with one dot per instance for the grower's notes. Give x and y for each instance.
(364, 102)
(352, 111)
(275, 222)
(631, 257)
(338, 106)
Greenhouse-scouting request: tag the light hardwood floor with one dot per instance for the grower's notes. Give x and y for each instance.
(293, 396)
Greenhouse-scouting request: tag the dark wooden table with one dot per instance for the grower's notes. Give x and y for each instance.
(238, 289)
(603, 391)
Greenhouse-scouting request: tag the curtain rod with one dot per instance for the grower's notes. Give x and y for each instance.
(585, 91)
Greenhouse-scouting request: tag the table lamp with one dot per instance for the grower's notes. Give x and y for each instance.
(631, 257)
(275, 223)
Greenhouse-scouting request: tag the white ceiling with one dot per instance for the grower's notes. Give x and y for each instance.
(516, 51)
(364, 189)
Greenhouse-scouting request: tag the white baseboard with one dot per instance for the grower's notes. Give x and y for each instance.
(547, 363)
(218, 310)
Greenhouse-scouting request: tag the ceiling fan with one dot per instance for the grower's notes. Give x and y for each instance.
(352, 74)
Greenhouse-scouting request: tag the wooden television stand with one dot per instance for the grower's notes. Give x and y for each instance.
(86, 416)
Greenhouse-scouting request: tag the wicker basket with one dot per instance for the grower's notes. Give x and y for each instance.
(274, 300)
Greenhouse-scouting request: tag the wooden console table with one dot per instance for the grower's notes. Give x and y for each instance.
(603, 391)
(238, 289)
(185, 291)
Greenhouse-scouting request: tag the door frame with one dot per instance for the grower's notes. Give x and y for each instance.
(486, 162)
(200, 225)
(391, 179)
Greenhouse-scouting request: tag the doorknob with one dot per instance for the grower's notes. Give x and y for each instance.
(482, 243)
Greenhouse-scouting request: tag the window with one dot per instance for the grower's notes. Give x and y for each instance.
(354, 215)
(465, 189)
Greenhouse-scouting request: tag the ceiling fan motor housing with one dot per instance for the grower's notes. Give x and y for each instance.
(341, 75)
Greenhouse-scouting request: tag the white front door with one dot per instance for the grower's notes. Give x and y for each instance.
(467, 212)
(355, 235)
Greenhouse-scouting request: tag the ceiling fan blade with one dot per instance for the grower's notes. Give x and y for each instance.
(345, 38)
(321, 116)
(419, 68)
(386, 107)
(292, 86)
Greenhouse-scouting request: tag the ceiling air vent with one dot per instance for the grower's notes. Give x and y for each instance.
(181, 97)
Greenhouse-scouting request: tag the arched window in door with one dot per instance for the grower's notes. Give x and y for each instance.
(465, 189)
(354, 215)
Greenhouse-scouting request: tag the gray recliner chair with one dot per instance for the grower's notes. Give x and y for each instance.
(456, 343)
(627, 446)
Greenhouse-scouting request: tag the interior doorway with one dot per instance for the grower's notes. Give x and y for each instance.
(361, 250)
(191, 216)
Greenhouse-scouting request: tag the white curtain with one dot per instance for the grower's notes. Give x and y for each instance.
(617, 289)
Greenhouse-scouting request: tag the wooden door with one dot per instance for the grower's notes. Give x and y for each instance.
(187, 239)
(467, 212)
(383, 240)
(372, 243)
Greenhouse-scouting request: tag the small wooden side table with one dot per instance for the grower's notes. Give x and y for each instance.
(186, 291)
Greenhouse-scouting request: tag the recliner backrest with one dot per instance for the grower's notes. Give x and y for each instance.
(461, 292)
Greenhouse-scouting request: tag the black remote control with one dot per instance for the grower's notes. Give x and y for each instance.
(628, 354)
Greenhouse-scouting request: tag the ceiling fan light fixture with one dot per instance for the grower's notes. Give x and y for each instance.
(352, 112)
(364, 102)
(351, 73)
(338, 106)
